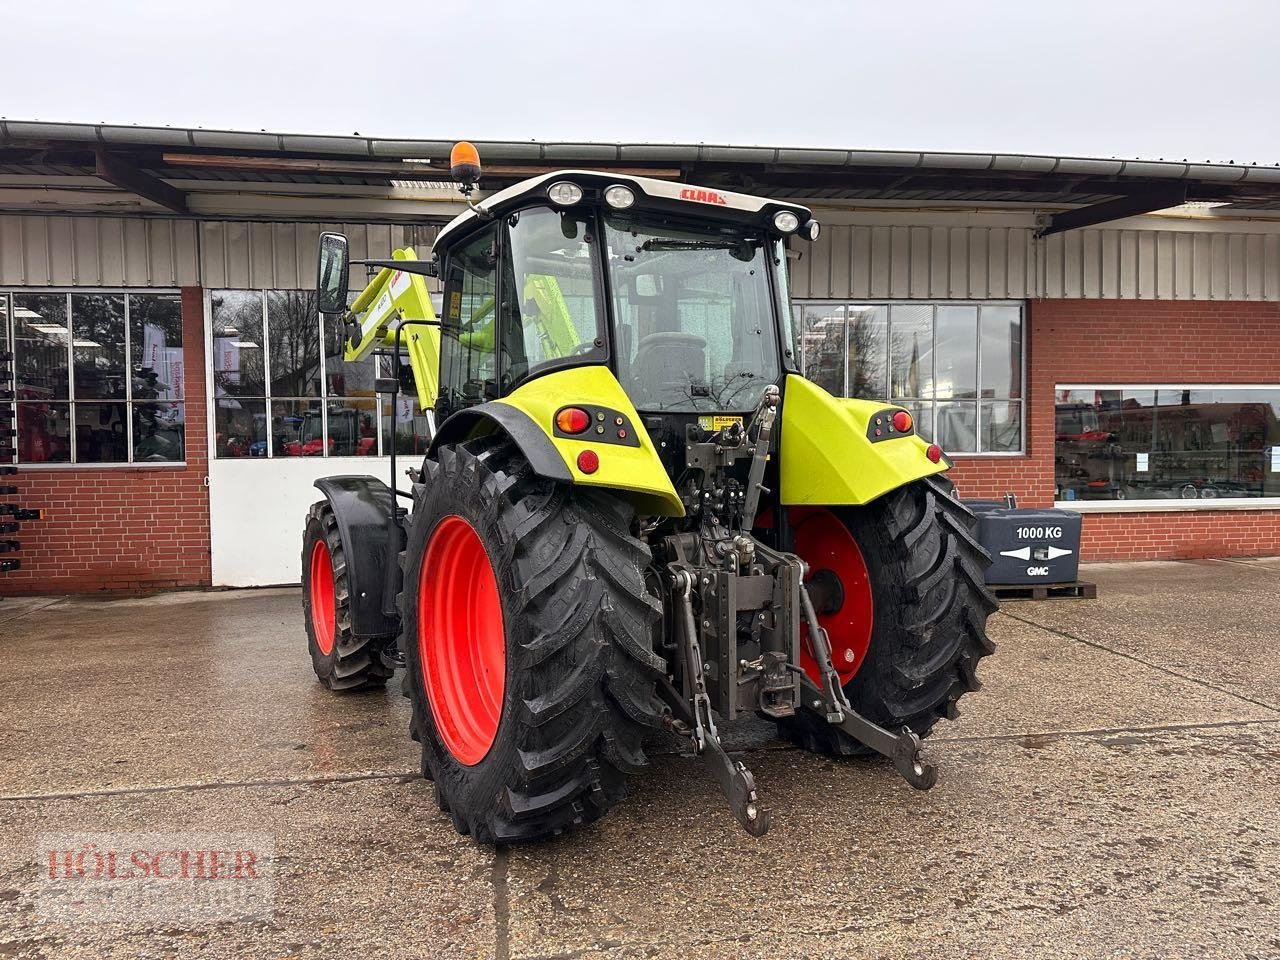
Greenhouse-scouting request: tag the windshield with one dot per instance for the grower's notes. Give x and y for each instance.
(694, 316)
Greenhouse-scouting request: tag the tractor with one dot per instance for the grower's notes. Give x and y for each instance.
(634, 515)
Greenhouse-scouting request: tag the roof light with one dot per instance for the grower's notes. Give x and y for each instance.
(619, 197)
(812, 229)
(934, 452)
(573, 420)
(786, 221)
(464, 163)
(902, 421)
(588, 461)
(564, 193)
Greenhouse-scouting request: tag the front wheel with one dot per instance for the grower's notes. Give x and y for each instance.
(343, 662)
(908, 625)
(528, 634)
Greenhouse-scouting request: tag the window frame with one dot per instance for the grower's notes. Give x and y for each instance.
(798, 304)
(8, 293)
(1160, 505)
(324, 398)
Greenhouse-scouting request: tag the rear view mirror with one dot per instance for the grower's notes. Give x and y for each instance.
(334, 273)
(648, 285)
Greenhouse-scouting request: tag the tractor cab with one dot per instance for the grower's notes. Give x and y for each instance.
(679, 291)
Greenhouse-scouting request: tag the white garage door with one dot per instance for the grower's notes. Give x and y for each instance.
(257, 510)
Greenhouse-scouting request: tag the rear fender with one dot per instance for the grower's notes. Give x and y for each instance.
(362, 506)
(831, 456)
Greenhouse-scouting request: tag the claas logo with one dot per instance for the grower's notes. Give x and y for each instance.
(701, 196)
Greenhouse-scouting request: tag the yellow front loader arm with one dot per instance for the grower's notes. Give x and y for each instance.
(392, 298)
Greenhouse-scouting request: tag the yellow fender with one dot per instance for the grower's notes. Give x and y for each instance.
(527, 415)
(828, 453)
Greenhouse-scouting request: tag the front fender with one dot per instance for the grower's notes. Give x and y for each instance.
(527, 415)
(828, 455)
(362, 506)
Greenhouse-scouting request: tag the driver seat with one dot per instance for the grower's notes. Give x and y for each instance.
(667, 362)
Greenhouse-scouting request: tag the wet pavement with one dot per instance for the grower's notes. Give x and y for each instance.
(1113, 791)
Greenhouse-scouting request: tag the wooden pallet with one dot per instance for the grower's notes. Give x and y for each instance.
(1080, 590)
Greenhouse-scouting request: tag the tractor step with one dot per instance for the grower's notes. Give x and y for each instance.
(1080, 590)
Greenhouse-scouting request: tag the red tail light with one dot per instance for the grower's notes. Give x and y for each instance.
(573, 420)
(588, 461)
(902, 421)
(934, 452)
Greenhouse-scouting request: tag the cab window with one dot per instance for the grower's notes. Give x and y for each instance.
(550, 311)
(468, 367)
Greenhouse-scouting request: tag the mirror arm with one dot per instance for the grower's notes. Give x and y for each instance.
(423, 268)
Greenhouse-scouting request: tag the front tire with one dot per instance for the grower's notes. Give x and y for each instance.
(925, 569)
(575, 700)
(342, 661)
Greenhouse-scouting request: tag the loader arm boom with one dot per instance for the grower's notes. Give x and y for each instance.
(395, 298)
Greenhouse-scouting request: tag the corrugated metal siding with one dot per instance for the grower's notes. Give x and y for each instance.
(1009, 263)
(138, 252)
(848, 261)
(282, 256)
(98, 252)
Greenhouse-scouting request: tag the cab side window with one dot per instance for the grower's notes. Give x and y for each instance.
(468, 357)
(550, 312)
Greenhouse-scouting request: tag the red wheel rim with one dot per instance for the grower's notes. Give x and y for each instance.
(825, 543)
(461, 640)
(323, 612)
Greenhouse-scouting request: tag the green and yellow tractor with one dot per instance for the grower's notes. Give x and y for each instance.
(635, 515)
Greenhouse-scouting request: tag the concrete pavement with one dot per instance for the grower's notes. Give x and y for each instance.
(1111, 792)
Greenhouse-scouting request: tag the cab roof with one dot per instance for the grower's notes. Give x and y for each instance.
(661, 196)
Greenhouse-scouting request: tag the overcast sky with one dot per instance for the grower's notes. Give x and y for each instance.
(1194, 79)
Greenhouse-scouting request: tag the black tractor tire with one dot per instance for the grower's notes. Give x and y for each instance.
(926, 570)
(580, 668)
(352, 663)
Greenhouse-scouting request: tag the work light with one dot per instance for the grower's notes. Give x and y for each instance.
(564, 193)
(786, 221)
(619, 197)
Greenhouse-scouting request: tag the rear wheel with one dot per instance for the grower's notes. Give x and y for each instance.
(909, 625)
(342, 661)
(528, 637)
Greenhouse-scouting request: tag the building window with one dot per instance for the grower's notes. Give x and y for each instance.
(956, 366)
(280, 385)
(1167, 442)
(97, 376)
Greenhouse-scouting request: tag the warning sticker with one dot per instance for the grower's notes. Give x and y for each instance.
(718, 422)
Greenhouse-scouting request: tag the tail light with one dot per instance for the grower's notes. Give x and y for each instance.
(588, 461)
(934, 453)
(573, 420)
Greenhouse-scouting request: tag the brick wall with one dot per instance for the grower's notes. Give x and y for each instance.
(1137, 341)
(124, 529)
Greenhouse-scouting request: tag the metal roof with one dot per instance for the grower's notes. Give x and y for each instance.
(187, 169)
